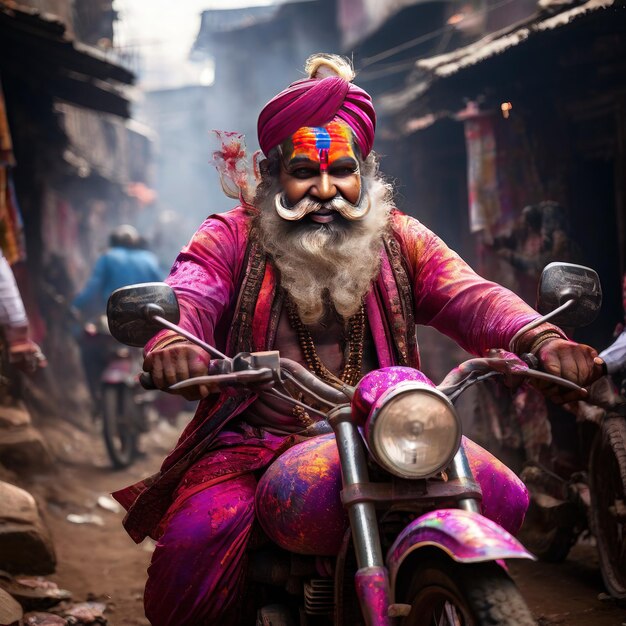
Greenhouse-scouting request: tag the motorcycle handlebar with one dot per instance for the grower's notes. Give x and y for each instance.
(531, 360)
(145, 380)
(302, 377)
(317, 386)
(498, 362)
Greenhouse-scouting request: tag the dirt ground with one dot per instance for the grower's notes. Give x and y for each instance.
(97, 560)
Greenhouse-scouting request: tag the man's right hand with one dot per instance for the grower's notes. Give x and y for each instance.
(177, 362)
(24, 353)
(27, 356)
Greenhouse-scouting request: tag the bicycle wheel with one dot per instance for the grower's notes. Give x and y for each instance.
(607, 478)
(118, 424)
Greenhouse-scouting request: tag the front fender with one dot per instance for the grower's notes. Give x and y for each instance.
(465, 536)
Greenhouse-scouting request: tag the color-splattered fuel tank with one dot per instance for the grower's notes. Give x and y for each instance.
(298, 503)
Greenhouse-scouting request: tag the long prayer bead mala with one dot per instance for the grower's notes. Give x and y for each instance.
(351, 372)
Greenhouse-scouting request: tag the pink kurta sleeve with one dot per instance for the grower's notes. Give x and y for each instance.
(204, 276)
(451, 297)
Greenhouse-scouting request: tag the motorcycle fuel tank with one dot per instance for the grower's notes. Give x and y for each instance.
(298, 500)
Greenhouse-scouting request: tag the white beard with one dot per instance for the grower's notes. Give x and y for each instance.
(326, 264)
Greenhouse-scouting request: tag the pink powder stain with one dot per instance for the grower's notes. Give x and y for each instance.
(231, 159)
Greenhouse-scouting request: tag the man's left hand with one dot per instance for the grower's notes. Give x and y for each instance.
(573, 361)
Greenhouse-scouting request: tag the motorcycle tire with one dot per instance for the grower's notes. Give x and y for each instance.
(448, 593)
(118, 427)
(607, 482)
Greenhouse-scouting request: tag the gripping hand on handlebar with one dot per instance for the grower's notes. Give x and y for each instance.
(176, 362)
(573, 361)
(24, 353)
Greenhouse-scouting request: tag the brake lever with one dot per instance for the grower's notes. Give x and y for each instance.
(507, 366)
(557, 380)
(233, 379)
(533, 372)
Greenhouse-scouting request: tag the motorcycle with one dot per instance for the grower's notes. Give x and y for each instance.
(126, 408)
(590, 500)
(584, 491)
(375, 516)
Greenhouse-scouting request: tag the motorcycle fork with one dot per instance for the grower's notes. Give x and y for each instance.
(461, 470)
(372, 578)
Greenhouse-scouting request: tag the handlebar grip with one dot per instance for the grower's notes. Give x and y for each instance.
(145, 380)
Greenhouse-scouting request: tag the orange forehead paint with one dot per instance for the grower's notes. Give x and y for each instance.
(323, 143)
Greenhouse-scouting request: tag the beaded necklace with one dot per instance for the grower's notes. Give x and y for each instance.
(351, 372)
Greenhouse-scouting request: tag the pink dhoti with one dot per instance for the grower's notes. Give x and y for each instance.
(196, 573)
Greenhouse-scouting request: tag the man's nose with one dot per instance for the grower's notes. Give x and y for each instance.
(324, 188)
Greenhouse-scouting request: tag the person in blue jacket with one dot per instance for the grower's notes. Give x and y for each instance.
(126, 262)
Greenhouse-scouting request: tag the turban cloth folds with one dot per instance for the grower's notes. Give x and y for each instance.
(315, 102)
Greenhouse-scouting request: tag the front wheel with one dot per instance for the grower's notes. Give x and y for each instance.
(607, 482)
(118, 424)
(447, 593)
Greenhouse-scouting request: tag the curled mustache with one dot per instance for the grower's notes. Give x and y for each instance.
(307, 205)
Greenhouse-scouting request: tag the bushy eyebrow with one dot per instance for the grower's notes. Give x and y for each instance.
(297, 160)
(347, 160)
(303, 160)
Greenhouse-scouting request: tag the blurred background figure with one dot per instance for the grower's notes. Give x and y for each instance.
(127, 261)
(615, 355)
(19, 350)
(522, 427)
(541, 236)
(610, 389)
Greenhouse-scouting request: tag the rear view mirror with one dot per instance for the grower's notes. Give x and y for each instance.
(128, 312)
(561, 282)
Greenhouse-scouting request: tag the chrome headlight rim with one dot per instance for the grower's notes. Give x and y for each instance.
(373, 422)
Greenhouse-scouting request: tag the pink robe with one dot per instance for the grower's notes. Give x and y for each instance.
(211, 464)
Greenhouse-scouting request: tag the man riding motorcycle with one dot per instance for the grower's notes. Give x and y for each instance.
(124, 262)
(322, 267)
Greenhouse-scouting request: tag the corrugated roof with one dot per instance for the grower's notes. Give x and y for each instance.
(495, 43)
(552, 14)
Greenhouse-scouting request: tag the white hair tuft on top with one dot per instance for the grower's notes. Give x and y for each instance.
(322, 65)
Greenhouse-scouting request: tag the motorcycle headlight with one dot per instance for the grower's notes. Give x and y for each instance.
(413, 431)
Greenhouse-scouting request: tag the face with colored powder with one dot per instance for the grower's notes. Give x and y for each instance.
(320, 175)
(313, 241)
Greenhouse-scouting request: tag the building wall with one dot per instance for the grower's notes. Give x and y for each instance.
(63, 9)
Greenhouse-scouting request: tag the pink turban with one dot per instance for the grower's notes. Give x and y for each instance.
(316, 102)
